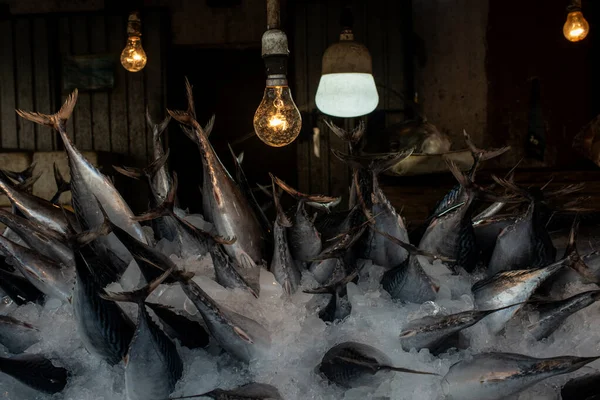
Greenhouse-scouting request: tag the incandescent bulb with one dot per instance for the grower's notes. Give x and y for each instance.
(133, 56)
(277, 121)
(576, 27)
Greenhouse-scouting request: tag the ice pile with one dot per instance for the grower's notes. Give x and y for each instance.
(300, 338)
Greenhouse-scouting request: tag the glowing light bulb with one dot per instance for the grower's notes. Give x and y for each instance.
(277, 121)
(133, 56)
(576, 27)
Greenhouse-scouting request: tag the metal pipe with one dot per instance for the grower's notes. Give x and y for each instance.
(273, 14)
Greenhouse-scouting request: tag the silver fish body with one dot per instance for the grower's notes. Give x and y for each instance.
(241, 337)
(226, 273)
(36, 236)
(51, 278)
(323, 269)
(17, 336)
(494, 376)
(506, 288)
(304, 239)
(103, 327)
(283, 266)
(153, 363)
(408, 282)
(35, 371)
(552, 315)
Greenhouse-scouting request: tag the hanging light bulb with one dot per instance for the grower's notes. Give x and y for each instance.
(576, 27)
(277, 121)
(133, 56)
(347, 88)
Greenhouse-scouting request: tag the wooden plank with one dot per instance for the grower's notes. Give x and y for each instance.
(316, 38)
(135, 115)
(64, 48)
(119, 130)
(300, 93)
(44, 137)
(376, 42)
(8, 117)
(24, 81)
(99, 103)
(154, 71)
(83, 114)
(399, 77)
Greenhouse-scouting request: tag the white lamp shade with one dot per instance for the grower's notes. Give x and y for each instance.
(347, 95)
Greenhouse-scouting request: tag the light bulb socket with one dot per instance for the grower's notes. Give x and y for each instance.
(275, 52)
(276, 80)
(347, 56)
(134, 24)
(276, 65)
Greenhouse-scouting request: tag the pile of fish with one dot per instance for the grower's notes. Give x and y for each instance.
(245, 302)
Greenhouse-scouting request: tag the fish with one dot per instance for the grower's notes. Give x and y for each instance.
(352, 364)
(191, 241)
(20, 176)
(226, 273)
(37, 209)
(452, 234)
(224, 204)
(526, 243)
(35, 371)
(19, 289)
(250, 391)
(153, 365)
(432, 331)
(582, 388)
(87, 185)
(62, 185)
(240, 336)
(49, 277)
(408, 282)
(189, 333)
(510, 287)
(339, 306)
(105, 330)
(304, 238)
(486, 233)
(46, 241)
(283, 266)
(553, 314)
(491, 376)
(242, 181)
(17, 336)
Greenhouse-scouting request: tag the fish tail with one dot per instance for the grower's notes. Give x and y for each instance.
(139, 295)
(353, 136)
(157, 128)
(130, 172)
(56, 121)
(480, 155)
(381, 164)
(282, 219)
(28, 183)
(237, 159)
(83, 238)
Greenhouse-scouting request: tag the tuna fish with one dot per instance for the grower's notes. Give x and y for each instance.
(351, 364)
(553, 314)
(491, 376)
(19, 289)
(224, 204)
(283, 265)
(486, 234)
(526, 243)
(17, 336)
(51, 278)
(103, 327)
(226, 271)
(251, 391)
(153, 365)
(35, 371)
(87, 185)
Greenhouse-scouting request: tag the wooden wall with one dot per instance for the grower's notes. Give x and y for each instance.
(379, 25)
(31, 51)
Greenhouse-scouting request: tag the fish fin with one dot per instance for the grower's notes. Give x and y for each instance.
(411, 249)
(376, 162)
(242, 334)
(210, 124)
(282, 219)
(408, 371)
(512, 187)
(265, 189)
(480, 154)
(62, 185)
(56, 121)
(332, 288)
(191, 110)
(189, 133)
(565, 190)
(316, 198)
(20, 176)
(139, 295)
(28, 183)
(104, 229)
(70, 227)
(157, 164)
(407, 333)
(130, 172)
